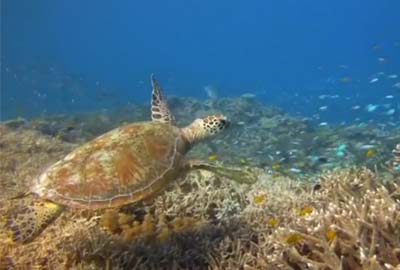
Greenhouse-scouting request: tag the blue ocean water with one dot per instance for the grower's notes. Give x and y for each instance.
(333, 61)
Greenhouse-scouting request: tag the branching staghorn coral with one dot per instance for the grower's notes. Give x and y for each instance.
(351, 222)
(393, 165)
(348, 220)
(355, 225)
(179, 227)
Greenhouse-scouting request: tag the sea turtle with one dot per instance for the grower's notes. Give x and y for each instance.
(125, 165)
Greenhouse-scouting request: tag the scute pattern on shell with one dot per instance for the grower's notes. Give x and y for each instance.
(122, 166)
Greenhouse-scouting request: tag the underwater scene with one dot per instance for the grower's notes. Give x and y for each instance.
(200, 135)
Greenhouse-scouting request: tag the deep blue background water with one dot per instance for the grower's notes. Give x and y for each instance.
(84, 55)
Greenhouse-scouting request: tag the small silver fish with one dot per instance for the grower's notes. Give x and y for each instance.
(295, 170)
(371, 107)
(366, 146)
(390, 112)
(374, 80)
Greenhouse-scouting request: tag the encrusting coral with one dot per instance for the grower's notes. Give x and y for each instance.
(345, 219)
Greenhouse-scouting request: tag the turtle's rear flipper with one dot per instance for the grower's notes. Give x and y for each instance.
(25, 222)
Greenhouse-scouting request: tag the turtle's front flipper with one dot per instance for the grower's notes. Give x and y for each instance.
(25, 222)
(159, 107)
(244, 176)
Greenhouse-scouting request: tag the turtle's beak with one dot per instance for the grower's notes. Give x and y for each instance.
(226, 123)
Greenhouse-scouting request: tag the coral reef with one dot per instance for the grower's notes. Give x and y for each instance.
(260, 135)
(355, 224)
(396, 154)
(24, 153)
(342, 219)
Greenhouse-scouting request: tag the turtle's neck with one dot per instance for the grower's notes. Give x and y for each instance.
(194, 132)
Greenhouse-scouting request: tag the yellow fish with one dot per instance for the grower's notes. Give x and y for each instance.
(370, 153)
(276, 167)
(259, 199)
(293, 238)
(272, 222)
(330, 235)
(212, 157)
(306, 210)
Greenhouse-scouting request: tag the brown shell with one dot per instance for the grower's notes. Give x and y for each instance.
(123, 166)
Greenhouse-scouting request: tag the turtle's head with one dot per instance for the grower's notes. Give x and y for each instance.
(206, 127)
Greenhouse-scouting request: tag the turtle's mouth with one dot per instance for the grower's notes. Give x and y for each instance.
(225, 123)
